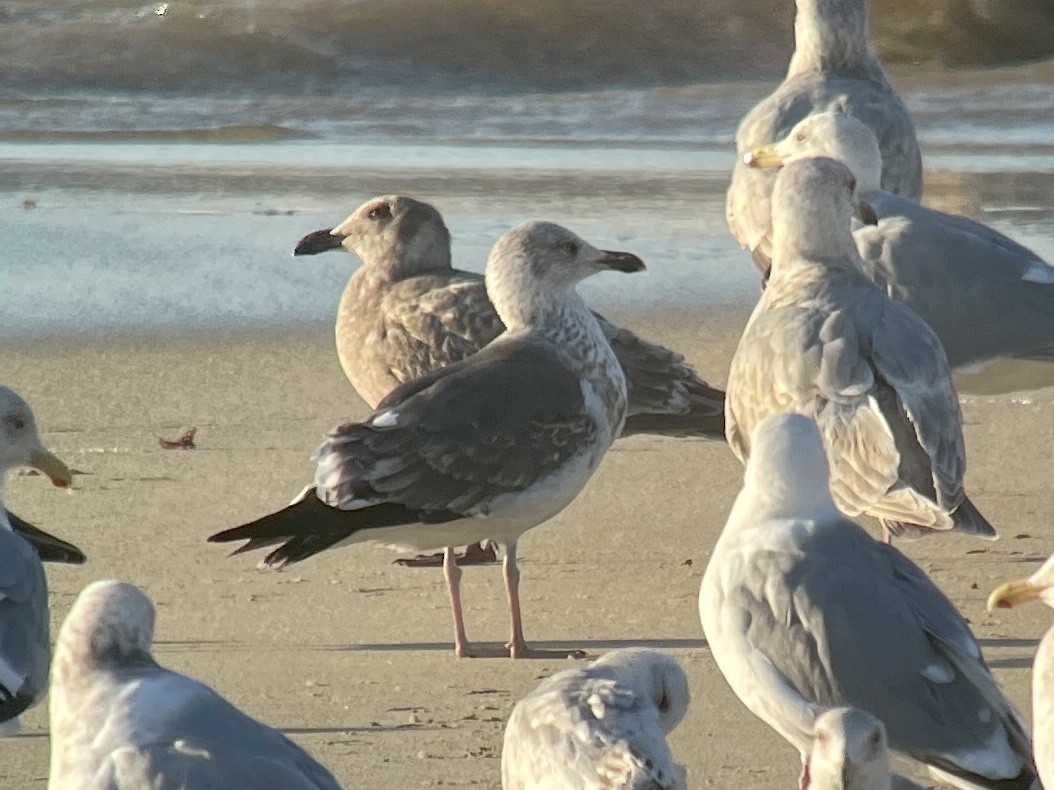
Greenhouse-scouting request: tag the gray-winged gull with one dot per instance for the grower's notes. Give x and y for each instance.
(983, 294)
(25, 646)
(834, 65)
(24, 620)
(1037, 587)
(804, 611)
(485, 448)
(827, 342)
(121, 721)
(407, 312)
(601, 726)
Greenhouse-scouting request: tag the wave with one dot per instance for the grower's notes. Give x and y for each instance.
(319, 47)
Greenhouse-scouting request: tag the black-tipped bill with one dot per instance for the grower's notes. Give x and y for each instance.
(621, 261)
(319, 241)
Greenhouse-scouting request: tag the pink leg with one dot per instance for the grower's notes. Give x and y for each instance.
(517, 644)
(452, 574)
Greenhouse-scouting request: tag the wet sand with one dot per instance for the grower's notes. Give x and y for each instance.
(352, 655)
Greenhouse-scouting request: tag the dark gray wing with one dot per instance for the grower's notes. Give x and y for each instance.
(665, 394)
(460, 436)
(25, 647)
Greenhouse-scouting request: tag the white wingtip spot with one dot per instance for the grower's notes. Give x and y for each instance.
(386, 419)
(1038, 272)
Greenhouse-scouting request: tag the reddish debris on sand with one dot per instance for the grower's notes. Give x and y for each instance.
(184, 442)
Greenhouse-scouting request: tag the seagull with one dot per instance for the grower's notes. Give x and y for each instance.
(599, 727)
(984, 295)
(804, 611)
(25, 641)
(827, 342)
(407, 312)
(485, 448)
(850, 751)
(834, 65)
(1037, 587)
(119, 720)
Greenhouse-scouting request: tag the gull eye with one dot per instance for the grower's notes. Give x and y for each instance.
(852, 183)
(875, 739)
(570, 247)
(801, 137)
(383, 211)
(664, 703)
(15, 423)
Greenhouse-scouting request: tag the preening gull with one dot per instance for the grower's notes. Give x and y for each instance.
(983, 294)
(25, 640)
(121, 721)
(485, 448)
(834, 65)
(827, 342)
(407, 312)
(599, 727)
(804, 611)
(1037, 587)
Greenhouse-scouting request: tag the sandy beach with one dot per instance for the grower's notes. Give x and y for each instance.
(351, 655)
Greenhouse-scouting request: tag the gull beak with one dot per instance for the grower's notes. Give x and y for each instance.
(57, 472)
(1009, 595)
(763, 157)
(318, 241)
(866, 213)
(621, 262)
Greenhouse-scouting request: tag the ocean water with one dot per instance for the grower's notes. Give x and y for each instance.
(157, 169)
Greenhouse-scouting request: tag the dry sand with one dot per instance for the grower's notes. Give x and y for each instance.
(352, 655)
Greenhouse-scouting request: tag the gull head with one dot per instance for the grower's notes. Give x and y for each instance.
(654, 673)
(1037, 587)
(812, 213)
(787, 471)
(533, 266)
(831, 134)
(393, 235)
(849, 752)
(20, 443)
(110, 623)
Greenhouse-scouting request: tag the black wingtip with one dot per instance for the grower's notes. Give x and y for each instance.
(48, 547)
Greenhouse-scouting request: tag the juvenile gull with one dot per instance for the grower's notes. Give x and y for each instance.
(983, 294)
(25, 644)
(1037, 587)
(407, 312)
(485, 448)
(804, 611)
(599, 727)
(827, 342)
(834, 65)
(121, 721)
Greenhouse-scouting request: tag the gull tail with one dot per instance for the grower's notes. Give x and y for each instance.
(309, 526)
(705, 417)
(48, 547)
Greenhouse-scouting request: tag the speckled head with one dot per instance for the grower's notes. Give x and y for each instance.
(394, 235)
(833, 35)
(20, 443)
(111, 622)
(531, 266)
